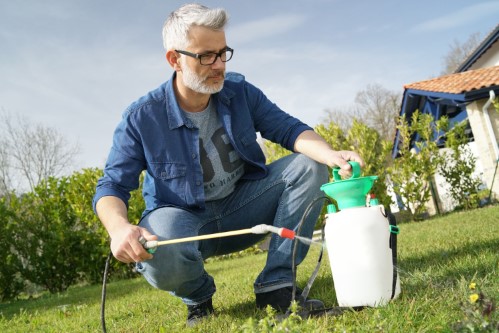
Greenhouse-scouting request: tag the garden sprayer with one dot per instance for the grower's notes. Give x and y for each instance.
(361, 243)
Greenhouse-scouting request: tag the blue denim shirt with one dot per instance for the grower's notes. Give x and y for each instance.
(155, 136)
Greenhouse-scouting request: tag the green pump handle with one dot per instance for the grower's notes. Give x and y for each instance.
(355, 171)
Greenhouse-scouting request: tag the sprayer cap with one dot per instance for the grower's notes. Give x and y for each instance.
(350, 192)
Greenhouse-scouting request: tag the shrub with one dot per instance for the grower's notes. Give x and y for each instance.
(273, 151)
(79, 193)
(48, 240)
(457, 169)
(333, 134)
(413, 172)
(375, 151)
(11, 283)
(369, 145)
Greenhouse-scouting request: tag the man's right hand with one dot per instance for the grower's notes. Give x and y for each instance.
(125, 244)
(125, 236)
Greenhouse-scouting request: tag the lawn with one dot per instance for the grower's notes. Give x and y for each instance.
(438, 260)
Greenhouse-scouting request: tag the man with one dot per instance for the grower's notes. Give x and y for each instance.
(195, 137)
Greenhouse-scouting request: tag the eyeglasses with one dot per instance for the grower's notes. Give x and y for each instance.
(210, 58)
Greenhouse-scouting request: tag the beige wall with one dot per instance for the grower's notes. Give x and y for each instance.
(489, 59)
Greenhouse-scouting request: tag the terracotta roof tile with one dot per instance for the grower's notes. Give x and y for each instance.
(460, 82)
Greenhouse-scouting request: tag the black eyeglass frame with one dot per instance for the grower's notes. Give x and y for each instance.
(217, 55)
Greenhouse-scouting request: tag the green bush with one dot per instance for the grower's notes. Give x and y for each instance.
(376, 152)
(457, 168)
(273, 151)
(79, 193)
(413, 172)
(53, 237)
(369, 145)
(48, 240)
(333, 134)
(11, 283)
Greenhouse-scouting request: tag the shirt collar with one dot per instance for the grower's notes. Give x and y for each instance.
(175, 117)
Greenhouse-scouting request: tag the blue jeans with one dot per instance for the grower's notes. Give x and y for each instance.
(279, 199)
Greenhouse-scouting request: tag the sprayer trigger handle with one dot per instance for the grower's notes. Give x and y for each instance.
(150, 246)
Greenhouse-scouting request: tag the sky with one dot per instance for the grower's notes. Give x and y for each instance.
(76, 65)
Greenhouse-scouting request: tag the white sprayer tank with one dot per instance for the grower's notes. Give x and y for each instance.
(358, 245)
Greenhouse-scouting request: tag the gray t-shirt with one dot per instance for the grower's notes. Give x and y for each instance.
(221, 164)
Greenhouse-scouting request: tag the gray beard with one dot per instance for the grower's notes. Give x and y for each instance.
(194, 82)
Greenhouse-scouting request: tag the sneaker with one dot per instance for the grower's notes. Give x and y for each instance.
(280, 300)
(196, 313)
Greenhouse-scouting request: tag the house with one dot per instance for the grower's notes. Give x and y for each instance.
(465, 95)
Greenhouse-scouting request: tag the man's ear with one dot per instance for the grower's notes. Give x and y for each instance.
(173, 58)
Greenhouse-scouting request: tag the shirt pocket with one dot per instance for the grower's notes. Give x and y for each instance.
(169, 183)
(250, 147)
(248, 137)
(168, 170)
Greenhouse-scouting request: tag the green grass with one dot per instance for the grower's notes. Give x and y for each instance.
(438, 258)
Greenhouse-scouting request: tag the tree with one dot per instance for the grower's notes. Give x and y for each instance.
(459, 52)
(31, 152)
(379, 108)
(375, 106)
(341, 117)
(4, 168)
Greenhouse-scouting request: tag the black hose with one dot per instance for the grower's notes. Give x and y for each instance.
(103, 298)
(295, 245)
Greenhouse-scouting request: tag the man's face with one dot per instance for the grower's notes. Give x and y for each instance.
(205, 79)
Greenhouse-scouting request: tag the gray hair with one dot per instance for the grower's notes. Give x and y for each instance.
(177, 25)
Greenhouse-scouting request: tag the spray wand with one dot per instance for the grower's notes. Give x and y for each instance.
(151, 246)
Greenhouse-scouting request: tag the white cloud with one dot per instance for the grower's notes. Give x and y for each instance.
(459, 17)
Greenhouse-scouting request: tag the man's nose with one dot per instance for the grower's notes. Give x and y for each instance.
(218, 64)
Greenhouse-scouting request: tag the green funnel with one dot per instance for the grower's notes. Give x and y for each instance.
(350, 192)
